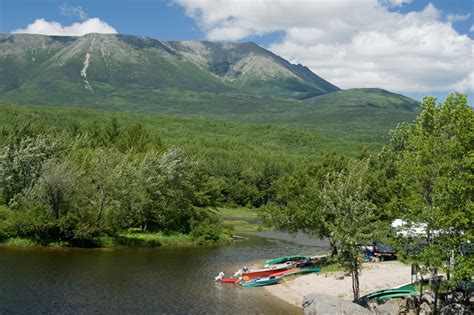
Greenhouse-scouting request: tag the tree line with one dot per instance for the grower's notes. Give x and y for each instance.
(77, 185)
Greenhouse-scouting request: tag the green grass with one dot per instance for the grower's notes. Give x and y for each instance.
(238, 214)
(240, 220)
(241, 226)
(152, 239)
(19, 242)
(126, 239)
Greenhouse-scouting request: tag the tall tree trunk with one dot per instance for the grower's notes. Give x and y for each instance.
(333, 247)
(435, 287)
(355, 279)
(418, 300)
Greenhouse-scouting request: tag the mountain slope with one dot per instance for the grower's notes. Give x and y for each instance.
(359, 113)
(363, 98)
(234, 82)
(108, 63)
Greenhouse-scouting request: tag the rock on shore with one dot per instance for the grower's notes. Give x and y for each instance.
(317, 304)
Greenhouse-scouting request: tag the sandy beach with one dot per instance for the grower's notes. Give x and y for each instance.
(374, 276)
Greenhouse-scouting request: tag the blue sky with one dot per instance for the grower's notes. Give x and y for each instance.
(157, 19)
(343, 41)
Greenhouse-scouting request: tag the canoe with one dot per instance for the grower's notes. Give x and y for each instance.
(295, 272)
(261, 282)
(406, 290)
(287, 265)
(230, 280)
(287, 258)
(268, 270)
(262, 272)
(397, 295)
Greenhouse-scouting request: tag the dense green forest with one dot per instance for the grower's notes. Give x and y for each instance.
(238, 155)
(75, 176)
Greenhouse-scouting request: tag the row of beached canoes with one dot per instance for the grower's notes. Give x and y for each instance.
(273, 272)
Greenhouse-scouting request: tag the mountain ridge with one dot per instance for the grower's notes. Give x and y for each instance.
(119, 60)
(236, 82)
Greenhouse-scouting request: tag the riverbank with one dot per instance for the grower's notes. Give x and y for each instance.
(374, 276)
(235, 220)
(127, 239)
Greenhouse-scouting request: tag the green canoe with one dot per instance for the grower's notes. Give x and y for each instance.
(282, 260)
(407, 290)
(397, 295)
(261, 282)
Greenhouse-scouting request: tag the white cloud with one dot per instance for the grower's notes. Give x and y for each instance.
(350, 43)
(71, 11)
(93, 25)
(472, 28)
(394, 3)
(453, 18)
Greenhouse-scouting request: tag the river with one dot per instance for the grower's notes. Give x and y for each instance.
(172, 280)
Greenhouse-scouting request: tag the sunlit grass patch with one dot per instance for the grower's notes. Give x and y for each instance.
(20, 242)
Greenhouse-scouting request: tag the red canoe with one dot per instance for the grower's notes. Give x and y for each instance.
(285, 272)
(262, 272)
(230, 280)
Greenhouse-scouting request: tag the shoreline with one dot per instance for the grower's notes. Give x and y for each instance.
(125, 240)
(374, 276)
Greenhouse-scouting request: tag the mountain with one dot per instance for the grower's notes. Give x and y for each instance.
(238, 82)
(109, 63)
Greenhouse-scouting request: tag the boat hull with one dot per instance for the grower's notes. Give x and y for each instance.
(262, 272)
(261, 282)
(281, 260)
(295, 272)
(230, 280)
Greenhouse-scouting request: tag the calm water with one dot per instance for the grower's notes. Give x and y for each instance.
(142, 280)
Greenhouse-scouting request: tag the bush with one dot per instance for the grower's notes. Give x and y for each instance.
(207, 232)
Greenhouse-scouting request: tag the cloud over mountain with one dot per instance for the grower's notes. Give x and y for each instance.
(352, 43)
(92, 25)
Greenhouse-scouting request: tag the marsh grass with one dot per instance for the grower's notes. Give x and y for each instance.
(240, 220)
(20, 242)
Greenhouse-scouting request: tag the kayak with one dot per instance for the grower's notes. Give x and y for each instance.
(296, 271)
(287, 258)
(261, 282)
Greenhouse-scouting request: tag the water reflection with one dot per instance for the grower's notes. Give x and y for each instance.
(139, 280)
